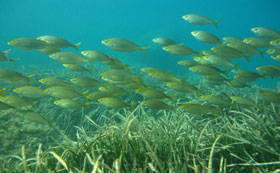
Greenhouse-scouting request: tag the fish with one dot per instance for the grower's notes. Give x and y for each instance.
(58, 42)
(69, 58)
(257, 42)
(239, 100)
(237, 84)
(133, 85)
(218, 77)
(229, 52)
(245, 48)
(4, 56)
(123, 45)
(14, 77)
(149, 69)
(33, 116)
(119, 75)
(206, 37)
(271, 96)
(68, 104)
(266, 32)
(114, 90)
(16, 101)
(96, 55)
(98, 94)
(195, 108)
(152, 93)
(247, 76)
(269, 70)
(28, 43)
(201, 60)
(277, 58)
(218, 61)
(49, 50)
(87, 82)
(179, 50)
(208, 70)
(217, 100)
(163, 41)
(231, 39)
(275, 43)
(273, 52)
(112, 102)
(187, 63)
(64, 92)
(30, 92)
(198, 19)
(4, 106)
(52, 81)
(78, 68)
(164, 76)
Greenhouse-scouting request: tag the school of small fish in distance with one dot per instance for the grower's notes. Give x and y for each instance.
(120, 80)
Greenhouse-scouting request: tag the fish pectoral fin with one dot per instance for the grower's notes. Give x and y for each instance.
(75, 46)
(215, 23)
(143, 49)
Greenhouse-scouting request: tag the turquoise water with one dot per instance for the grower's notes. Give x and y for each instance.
(91, 21)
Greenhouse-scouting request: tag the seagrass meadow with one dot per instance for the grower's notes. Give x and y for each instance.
(98, 139)
(139, 86)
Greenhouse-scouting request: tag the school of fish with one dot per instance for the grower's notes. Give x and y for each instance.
(214, 65)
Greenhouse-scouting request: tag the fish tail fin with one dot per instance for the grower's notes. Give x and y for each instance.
(215, 112)
(13, 61)
(143, 49)
(89, 70)
(132, 105)
(35, 103)
(87, 104)
(262, 53)
(263, 76)
(84, 94)
(30, 78)
(172, 98)
(247, 57)
(235, 66)
(183, 79)
(75, 46)
(226, 72)
(198, 53)
(215, 23)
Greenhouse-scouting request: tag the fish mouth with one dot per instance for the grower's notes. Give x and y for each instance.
(185, 16)
(11, 42)
(104, 42)
(194, 33)
(52, 55)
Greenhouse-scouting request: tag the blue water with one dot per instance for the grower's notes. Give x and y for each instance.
(91, 21)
